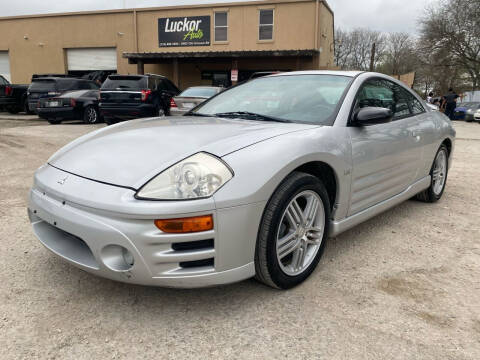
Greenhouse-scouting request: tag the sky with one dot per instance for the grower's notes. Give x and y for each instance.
(382, 15)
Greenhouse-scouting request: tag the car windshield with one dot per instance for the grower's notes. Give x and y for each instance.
(43, 85)
(309, 99)
(201, 92)
(125, 82)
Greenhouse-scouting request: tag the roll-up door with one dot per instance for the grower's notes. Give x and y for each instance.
(5, 65)
(92, 59)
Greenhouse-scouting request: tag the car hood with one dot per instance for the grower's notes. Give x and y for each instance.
(131, 153)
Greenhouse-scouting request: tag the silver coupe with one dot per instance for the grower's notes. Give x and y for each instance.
(251, 183)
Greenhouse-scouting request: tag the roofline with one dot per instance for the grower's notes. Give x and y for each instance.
(159, 8)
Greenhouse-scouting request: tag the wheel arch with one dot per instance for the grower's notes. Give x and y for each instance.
(448, 143)
(324, 172)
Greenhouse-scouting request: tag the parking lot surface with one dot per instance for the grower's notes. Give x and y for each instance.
(404, 285)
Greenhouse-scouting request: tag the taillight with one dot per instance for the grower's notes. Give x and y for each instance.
(8, 90)
(172, 103)
(145, 94)
(73, 102)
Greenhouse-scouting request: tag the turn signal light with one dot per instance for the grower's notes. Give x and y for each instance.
(186, 225)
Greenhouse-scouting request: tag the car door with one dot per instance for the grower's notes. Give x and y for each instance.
(385, 157)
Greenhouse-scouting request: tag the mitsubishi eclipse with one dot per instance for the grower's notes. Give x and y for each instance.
(250, 183)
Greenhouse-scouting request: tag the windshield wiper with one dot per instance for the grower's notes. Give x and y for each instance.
(251, 116)
(197, 114)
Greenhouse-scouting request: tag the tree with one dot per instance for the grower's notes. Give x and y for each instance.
(450, 31)
(353, 48)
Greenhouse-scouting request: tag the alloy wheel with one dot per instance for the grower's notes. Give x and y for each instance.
(91, 115)
(439, 172)
(300, 233)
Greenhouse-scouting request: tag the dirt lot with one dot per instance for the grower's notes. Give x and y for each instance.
(405, 285)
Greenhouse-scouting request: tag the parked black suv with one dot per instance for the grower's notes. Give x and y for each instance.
(125, 97)
(48, 87)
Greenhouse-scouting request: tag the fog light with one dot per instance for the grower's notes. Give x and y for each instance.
(117, 258)
(186, 225)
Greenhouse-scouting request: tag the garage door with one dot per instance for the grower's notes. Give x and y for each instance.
(92, 59)
(4, 65)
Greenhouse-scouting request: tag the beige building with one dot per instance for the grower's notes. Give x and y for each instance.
(192, 45)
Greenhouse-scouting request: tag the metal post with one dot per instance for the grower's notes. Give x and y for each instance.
(140, 67)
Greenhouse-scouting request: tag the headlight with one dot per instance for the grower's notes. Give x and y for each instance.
(470, 111)
(198, 176)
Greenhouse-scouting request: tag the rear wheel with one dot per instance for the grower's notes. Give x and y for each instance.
(54, 121)
(26, 108)
(438, 175)
(91, 115)
(293, 232)
(13, 110)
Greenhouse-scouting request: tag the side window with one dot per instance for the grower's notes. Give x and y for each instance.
(384, 93)
(221, 26)
(415, 106)
(265, 26)
(161, 86)
(3, 81)
(151, 83)
(171, 87)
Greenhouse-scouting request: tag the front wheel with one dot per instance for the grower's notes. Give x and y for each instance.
(293, 232)
(438, 174)
(91, 115)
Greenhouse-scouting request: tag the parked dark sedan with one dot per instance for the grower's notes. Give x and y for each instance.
(125, 97)
(48, 87)
(72, 105)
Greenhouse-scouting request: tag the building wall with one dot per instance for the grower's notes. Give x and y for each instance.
(47, 37)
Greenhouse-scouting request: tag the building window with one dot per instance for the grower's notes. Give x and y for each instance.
(265, 29)
(221, 26)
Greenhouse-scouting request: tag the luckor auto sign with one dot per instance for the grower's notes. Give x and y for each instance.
(184, 31)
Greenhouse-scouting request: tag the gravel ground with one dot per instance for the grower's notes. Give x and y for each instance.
(404, 285)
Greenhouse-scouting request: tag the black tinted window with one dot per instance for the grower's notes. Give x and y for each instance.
(386, 94)
(125, 82)
(43, 85)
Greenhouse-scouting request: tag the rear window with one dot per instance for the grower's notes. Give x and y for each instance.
(125, 83)
(43, 85)
(74, 94)
(203, 92)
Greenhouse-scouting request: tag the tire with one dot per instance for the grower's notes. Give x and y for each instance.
(273, 270)
(91, 115)
(433, 193)
(54, 122)
(13, 110)
(110, 121)
(26, 109)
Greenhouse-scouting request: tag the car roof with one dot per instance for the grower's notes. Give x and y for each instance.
(59, 78)
(320, 72)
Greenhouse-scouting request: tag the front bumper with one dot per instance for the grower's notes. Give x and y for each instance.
(82, 234)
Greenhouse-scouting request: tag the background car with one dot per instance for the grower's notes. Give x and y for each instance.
(470, 111)
(72, 105)
(461, 110)
(13, 97)
(47, 87)
(125, 97)
(191, 97)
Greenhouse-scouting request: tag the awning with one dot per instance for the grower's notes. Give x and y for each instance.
(154, 57)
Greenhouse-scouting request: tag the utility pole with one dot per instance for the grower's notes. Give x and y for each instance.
(372, 58)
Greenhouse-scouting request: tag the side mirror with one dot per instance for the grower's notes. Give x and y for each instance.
(372, 116)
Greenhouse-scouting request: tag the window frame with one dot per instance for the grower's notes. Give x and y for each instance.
(260, 24)
(402, 87)
(215, 26)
